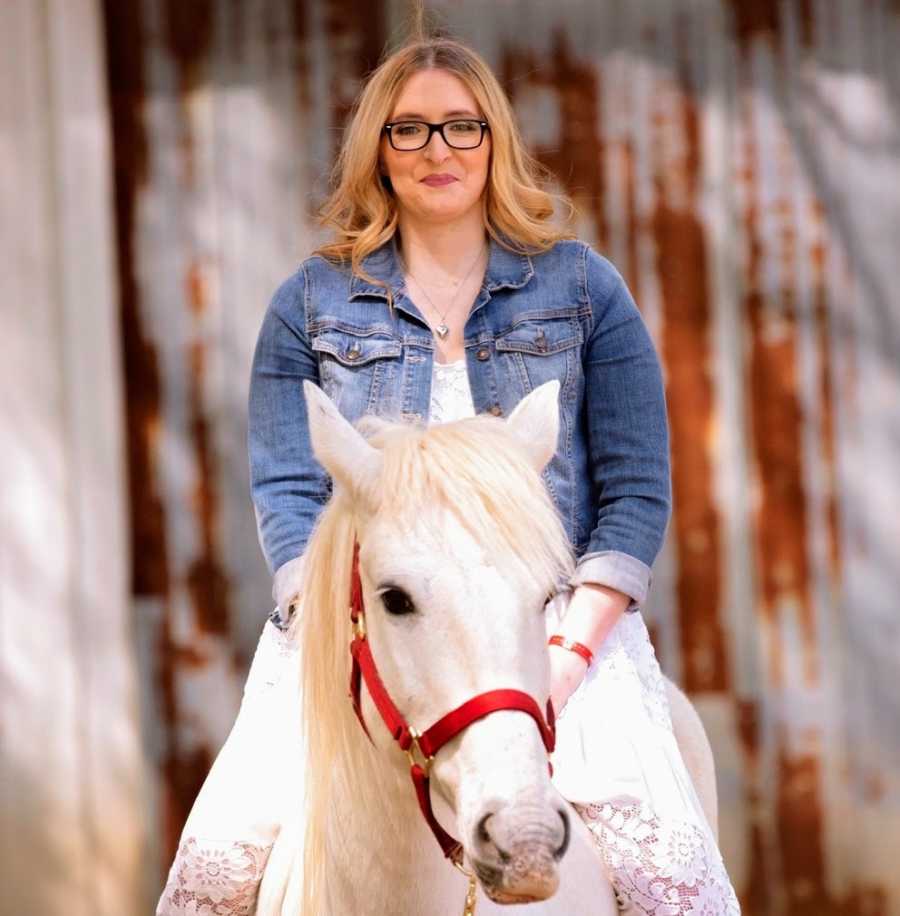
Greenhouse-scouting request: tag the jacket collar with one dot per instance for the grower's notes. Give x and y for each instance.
(505, 270)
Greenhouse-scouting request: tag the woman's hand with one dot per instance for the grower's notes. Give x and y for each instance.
(592, 612)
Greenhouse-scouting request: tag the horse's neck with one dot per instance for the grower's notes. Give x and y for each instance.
(385, 858)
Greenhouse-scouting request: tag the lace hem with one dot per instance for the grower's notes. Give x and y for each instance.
(659, 868)
(210, 878)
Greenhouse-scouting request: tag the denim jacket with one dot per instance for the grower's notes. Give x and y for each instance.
(565, 314)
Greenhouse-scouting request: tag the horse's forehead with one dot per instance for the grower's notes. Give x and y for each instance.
(432, 528)
(431, 540)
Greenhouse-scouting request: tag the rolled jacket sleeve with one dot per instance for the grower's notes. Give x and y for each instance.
(288, 486)
(628, 439)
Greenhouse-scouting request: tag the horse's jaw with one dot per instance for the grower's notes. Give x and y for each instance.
(387, 860)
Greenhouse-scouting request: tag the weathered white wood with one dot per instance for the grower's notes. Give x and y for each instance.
(70, 766)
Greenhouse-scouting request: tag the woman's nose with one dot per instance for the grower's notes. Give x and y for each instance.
(437, 150)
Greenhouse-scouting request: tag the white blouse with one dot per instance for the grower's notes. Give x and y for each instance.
(451, 397)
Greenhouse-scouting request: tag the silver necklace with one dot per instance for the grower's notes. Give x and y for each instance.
(442, 330)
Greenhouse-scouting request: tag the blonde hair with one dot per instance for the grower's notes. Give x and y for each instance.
(478, 469)
(362, 209)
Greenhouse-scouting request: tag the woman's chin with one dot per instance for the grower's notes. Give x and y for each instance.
(444, 210)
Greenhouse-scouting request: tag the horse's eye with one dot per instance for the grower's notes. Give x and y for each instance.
(397, 602)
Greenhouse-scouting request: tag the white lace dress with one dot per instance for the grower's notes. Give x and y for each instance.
(617, 760)
(236, 818)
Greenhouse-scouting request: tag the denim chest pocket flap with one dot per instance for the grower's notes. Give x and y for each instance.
(541, 333)
(355, 348)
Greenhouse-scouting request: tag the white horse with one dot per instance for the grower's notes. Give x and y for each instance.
(459, 547)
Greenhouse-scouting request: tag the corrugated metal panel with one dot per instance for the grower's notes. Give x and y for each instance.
(739, 163)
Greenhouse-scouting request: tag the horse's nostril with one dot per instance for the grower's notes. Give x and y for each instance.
(482, 831)
(561, 851)
(486, 840)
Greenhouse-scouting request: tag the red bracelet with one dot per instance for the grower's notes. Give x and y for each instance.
(576, 647)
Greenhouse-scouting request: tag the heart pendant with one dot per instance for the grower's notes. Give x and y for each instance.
(442, 331)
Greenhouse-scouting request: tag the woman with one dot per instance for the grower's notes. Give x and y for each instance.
(447, 291)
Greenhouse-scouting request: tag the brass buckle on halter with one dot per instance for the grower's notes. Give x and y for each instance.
(359, 625)
(415, 747)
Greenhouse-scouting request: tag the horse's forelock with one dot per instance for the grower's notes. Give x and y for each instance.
(479, 470)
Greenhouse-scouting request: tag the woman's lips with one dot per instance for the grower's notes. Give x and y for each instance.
(437, 181)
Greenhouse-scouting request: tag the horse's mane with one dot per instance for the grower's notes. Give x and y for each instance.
(479, 470)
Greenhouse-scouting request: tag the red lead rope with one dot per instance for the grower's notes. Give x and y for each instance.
(445, 729)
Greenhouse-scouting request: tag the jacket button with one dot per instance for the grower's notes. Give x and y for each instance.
(483, 354)
(353, 352)
(496, 410)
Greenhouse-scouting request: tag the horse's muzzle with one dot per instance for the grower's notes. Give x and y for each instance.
(516, 856)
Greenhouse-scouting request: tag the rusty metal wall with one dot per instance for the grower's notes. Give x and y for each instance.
(740, 163)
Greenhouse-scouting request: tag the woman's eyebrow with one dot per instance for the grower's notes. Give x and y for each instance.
(415, 116)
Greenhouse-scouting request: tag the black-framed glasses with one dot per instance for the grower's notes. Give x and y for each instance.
(460, 133)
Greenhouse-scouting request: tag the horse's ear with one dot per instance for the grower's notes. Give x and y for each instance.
(535, 421)
(340, 449)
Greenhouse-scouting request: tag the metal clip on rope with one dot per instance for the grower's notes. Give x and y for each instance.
(469, 905)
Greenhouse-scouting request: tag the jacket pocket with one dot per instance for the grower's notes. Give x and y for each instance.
(539, 349)
(541, 334)
(359, 370)
(355, 349)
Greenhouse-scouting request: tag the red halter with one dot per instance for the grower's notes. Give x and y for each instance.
(427, 744)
